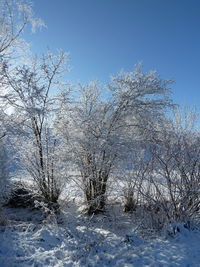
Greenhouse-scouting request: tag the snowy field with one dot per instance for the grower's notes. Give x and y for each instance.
(110, 239)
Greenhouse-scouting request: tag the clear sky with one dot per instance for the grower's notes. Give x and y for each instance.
(106, 36)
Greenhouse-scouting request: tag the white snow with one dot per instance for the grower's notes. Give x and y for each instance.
(109, 239)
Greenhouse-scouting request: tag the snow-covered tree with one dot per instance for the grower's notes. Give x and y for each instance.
(30, 96)
(15, 15)
(176, 160)
(99, 131)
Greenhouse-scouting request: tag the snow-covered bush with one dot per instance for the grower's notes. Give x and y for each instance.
(183, 228)
(187, 167)
(173, 184)
(22, 195)
(50, 212)
(132, 174)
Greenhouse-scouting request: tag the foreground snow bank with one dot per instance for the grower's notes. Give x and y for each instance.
(98, 241)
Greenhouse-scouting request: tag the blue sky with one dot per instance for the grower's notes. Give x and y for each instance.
(106, 36)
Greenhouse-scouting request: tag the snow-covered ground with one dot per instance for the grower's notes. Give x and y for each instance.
(110, 239)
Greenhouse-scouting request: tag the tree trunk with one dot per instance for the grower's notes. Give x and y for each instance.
(96, 195)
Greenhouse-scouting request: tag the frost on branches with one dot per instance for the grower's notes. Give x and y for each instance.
(30, 97)
(14, 17)
(99, 132)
